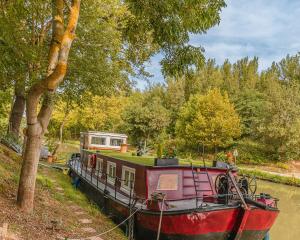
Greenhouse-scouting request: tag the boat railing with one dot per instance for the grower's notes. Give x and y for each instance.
(101, 176)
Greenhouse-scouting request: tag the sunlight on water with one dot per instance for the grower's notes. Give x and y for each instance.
(287, 225)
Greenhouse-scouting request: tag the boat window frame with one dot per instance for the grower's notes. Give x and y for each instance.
(159, 188)
(110, 179)
(99, 166)
(130, 170)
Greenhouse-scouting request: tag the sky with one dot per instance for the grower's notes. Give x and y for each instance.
(268, 29)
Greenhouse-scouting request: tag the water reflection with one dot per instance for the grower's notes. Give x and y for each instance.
(287, 225)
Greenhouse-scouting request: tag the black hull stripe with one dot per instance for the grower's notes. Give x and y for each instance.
(145, 234)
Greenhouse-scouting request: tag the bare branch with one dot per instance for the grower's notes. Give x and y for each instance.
(43, 32)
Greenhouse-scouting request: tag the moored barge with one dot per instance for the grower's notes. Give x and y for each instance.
(175, 202)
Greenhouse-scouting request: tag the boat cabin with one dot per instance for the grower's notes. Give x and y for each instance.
(176, 182)
(93, 140)
(180, 202)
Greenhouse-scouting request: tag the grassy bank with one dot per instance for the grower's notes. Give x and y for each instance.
(57, 202)
(271, 177)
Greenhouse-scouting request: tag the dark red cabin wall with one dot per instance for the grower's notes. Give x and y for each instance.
(186, 188)
(140, 174)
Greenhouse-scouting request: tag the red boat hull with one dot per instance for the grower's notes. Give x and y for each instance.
(206, 225)
(214, 222)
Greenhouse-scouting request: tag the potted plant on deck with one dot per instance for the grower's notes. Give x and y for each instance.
(166, 156)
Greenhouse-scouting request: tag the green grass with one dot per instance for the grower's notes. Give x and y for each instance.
(73, 142)
(9, 168)
(46, 178)
(65, 151)
(148, 160)
(44, 181)
(271, 177)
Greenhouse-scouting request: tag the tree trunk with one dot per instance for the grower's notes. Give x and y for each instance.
(60, 140)
(37, 121)
(145, 144)
(29, 168)
(17, 112)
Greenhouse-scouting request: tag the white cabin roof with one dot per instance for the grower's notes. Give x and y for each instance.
(96, 133)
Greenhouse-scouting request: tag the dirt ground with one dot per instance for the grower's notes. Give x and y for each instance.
(60, 212)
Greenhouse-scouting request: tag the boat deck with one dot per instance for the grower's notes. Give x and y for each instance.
(172, 205)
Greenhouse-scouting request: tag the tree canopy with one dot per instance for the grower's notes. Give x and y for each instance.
(145, 117)
(208, 120)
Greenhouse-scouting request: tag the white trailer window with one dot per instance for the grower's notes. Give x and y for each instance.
(98, 140)
(116, 141)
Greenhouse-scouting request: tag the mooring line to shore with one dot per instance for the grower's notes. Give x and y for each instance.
(115, 227)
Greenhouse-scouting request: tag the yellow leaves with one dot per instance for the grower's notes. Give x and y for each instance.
(58, 18)
(208, 119)
(95, 113)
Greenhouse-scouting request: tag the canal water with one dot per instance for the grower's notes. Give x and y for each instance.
(287, 225)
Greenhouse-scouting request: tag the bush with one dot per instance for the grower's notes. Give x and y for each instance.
(159, 151)
(251, 152)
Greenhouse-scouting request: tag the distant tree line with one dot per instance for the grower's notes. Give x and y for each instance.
(217, 107)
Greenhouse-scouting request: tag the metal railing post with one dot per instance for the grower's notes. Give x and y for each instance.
(115, 187)
(98, 176)
(130, 194)
(91, 175)
(85, 171)
(105, 188)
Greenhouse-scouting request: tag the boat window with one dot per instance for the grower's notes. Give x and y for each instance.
(128, 176)
(111, 172)
(168, 182)
(98, 140)
(99, 166)
(116, 141)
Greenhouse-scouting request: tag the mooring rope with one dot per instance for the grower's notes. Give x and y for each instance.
(115, 227)
(160, 217)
